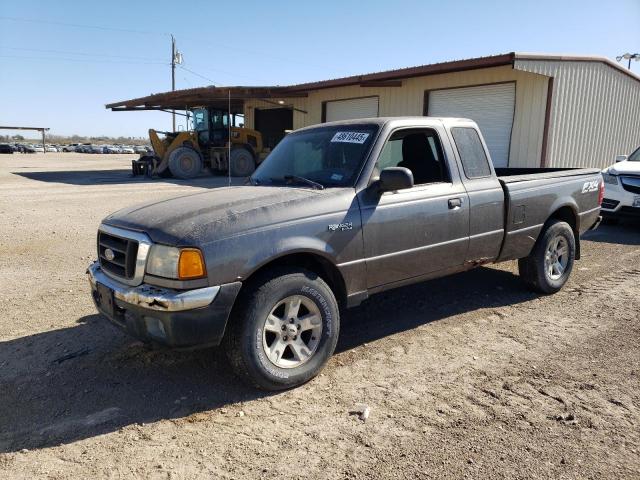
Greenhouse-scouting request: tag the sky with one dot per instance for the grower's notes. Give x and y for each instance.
(62, 61)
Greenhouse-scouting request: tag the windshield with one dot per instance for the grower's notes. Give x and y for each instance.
(330, 156)
(635, 156)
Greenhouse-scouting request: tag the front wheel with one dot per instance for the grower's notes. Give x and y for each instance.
(185, 163)
(548, 266)
(285, 330)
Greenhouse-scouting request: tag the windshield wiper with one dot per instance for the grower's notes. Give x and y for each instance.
(296, 178)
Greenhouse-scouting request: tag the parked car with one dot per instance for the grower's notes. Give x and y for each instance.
(111, 149)
(126, 149)
(38, 148)
(70, 148)
(96, 149)
(6, 148)
(336, 213)
(28, 148)
(140, 149)
(50, 148)
(622, 187)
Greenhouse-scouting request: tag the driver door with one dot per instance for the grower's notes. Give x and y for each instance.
(420, 230)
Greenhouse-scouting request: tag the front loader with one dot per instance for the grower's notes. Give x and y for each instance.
(184, 154)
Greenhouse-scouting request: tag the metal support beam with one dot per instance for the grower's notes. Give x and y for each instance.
(42, 130)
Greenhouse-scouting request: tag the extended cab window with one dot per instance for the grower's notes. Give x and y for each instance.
(418, 150)
(474, 160)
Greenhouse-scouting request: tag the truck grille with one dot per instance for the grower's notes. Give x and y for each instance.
(631, 184)
(125, 251)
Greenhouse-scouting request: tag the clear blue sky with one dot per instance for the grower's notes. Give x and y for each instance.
(58, 73)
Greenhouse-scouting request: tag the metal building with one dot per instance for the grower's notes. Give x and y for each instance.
(534, 110)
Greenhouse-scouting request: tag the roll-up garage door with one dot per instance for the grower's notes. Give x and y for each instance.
(490, 106)
(351, 108)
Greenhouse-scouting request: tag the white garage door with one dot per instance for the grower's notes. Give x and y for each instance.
(490, 106)
(352, 108)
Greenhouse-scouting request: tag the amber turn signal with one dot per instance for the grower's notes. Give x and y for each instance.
(191, 264)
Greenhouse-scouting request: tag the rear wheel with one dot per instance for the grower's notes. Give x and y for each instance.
(548, 266)
(241, 163)
(185, 163)
(284, 331)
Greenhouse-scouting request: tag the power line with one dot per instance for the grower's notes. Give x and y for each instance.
(79, 25)
(198, 75)
(143, 32)
(86, 54)
(82, 60)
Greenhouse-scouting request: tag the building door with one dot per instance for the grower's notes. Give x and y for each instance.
(490, 106)
(350, 108)
(272, 123)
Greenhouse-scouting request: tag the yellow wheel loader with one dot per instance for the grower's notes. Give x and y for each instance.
(185, 154)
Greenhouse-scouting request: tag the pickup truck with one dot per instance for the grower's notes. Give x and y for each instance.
(336, 213)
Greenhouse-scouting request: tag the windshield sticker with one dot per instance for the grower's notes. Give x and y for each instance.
(336, 176)
(350, 137)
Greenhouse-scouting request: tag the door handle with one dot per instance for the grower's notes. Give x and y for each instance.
(455, 203)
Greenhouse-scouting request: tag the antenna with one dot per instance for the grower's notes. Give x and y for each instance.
(229, 152)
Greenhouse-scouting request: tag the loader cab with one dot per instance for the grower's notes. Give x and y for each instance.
(211, 125)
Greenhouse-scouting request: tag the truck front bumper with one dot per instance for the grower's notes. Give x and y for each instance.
(175, 318)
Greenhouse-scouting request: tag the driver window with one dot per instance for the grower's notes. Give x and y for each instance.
(420, 151)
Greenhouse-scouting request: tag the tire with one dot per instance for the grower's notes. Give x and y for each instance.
(539, 270)
(255, 333)
(185, 163)
(242, 163)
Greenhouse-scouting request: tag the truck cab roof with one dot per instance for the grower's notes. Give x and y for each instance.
(407, 121)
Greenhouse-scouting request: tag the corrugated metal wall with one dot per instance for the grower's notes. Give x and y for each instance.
(595, 112)
(528, 125)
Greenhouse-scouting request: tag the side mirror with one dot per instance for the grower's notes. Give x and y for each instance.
(395, 178)
(621, 158)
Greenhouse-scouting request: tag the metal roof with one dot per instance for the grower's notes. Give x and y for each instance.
(221, 96)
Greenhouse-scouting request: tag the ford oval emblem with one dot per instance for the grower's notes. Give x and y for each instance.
(109, 255)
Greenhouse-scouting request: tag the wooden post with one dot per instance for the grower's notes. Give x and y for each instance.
(43, 146)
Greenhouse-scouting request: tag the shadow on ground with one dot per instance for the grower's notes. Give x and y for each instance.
(69, 384)
(624, 232)
(119, 176)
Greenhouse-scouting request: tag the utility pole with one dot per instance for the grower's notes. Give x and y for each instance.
(173, 76)
(176, 59)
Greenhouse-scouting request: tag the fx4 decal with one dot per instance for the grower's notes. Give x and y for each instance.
(590, 186)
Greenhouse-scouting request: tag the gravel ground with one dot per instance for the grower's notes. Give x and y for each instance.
(469, 376)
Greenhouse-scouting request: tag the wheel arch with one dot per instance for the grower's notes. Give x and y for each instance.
(568, 213)
(311, 260)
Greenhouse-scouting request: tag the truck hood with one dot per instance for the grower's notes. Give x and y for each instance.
(222, 212)
(625, 168)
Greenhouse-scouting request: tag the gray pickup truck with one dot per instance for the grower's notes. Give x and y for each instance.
(336, 213)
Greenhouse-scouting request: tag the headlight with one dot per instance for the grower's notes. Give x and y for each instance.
(175, 263)
(610, 179)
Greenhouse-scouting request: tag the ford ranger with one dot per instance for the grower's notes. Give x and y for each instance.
(336, 213)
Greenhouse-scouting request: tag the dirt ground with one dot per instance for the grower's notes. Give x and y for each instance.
(470, 376)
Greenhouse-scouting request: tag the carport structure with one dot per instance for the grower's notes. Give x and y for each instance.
(533, 109)
(42, 130)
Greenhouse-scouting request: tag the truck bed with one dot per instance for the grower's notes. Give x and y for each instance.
(532, 195)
